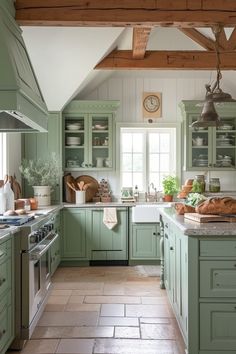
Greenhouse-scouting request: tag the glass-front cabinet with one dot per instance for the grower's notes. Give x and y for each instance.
(212, 148)
(88, 135)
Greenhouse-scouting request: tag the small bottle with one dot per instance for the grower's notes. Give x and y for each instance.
(9, 196)
(136, 193)
(27, 205)
(214, 185)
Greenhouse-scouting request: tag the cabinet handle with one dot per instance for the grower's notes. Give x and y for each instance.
(171, 248)
(2, 281)
(154, 234)
(2, 333)
(90, 165)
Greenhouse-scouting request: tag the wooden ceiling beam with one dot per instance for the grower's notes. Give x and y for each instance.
(232, 41)
(164, 60)
(140, 40)
(199, 38)
(126, 13)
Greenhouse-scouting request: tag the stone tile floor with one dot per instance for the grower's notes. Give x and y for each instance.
(106, 310)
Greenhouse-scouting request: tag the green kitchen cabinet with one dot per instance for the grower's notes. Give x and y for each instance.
(145, 242)
(6, 292)
(74, 234)
(89, 135)
(55, 251)
(212, 148)
(40, 146)
(106, 244)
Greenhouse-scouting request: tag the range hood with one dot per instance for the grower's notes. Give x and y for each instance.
(22, 107)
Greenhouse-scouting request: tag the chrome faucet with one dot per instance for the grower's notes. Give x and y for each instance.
(152, 186)
(149, 196)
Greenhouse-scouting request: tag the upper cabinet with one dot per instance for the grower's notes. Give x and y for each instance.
(89, 135)
(212, 148)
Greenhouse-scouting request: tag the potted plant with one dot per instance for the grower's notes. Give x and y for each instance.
(170, 187)
(43, 176)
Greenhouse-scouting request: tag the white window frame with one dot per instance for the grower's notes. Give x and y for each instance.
(177, 126)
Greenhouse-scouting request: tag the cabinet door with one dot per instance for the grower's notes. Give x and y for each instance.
(55, 256)
(169, 254)
(225, 144)
(145, 241)
(104, 239)
(74, 234)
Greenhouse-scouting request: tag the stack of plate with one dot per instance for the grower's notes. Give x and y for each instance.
(224, 161)
(73, 140)
(201, 161)
(73, 126)
(226, 126)
(223, 141)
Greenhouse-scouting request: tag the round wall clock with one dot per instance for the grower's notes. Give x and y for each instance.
(151, 103)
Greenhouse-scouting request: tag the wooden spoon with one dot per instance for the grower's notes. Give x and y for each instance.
(71, 186)
(81, 185)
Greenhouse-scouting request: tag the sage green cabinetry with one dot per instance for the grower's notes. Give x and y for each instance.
(212, 148)
(144, 242)
(40, 146)
(6, 293)
(74, 234)
(106, 244)
(90, 145)
(55, 251)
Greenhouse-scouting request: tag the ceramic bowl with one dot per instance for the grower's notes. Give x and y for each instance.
(74, 126)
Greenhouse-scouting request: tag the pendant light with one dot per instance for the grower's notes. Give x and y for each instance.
(209, 117)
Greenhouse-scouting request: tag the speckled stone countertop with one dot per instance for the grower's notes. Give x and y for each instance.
(192, 228)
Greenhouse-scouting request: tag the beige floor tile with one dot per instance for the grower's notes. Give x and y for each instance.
(61, 292)
(88, 332)
(40, 346)
(83, 307)
(155, 320)
(76, 299)
(127, 332)
(112, 310)
(157, 331)
(114, 289)
(78, 285)
(112, 300)
(80, 292)
(75, 346)
(154, 300)
(58, 300)
(54, 308)
(118, 321)
(68, 319)
(47, 332)
(147, 311)
(133, 346)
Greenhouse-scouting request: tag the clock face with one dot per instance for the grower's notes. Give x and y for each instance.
(151, 103)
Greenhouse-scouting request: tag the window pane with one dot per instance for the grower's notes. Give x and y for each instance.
(153, 142)
(127, 162)
(154, 178)
(154, 162)
(164, 163)
(138, 180)
(137, 142)
(126, 142)
(164, 142)
(127, 180)
(138, 162)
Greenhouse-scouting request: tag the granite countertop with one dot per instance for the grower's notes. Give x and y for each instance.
(99, 205)
(192, 228)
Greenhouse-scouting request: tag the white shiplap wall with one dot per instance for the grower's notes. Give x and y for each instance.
(128, 86)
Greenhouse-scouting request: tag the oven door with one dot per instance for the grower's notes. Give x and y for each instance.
(35, 284)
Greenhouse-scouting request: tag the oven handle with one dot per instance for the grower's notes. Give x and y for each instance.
(35, 256)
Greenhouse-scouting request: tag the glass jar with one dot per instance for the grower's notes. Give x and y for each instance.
(214, 185)
(201, 180)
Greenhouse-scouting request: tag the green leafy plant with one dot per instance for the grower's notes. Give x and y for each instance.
(170, 185)
(42, 172)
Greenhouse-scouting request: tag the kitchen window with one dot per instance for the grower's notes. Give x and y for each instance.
(147, 155)
(3, 155)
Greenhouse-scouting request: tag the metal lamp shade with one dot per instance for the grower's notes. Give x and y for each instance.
(208, 117)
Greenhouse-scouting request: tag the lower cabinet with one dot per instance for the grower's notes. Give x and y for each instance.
(74, 240)
(145, 242)
(55, 252)
(200, 280)
(6, 293)
(106, 244)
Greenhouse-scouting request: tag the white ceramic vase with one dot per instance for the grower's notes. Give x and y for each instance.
(43, 195)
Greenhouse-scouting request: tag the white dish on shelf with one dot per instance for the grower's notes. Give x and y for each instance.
(100, 127)
(73, 126)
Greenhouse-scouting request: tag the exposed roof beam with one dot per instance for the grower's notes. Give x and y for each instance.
(232, 40)
(199, 38)
(140, 40)
(223, 42)
(164, 60)
(126, 13)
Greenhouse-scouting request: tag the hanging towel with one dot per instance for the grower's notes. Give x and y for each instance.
(110, 217)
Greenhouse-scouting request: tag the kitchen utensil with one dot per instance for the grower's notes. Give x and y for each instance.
(93, 187)
(68, 193)
(69, 184)
(80, 185)
(80, 197)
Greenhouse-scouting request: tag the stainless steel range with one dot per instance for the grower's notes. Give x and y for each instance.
(32, 269)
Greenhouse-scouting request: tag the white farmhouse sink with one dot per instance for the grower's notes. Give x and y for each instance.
(148, 213)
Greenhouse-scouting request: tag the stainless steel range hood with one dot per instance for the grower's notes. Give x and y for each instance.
(22, 107)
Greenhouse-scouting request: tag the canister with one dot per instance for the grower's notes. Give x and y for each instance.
(214, 185)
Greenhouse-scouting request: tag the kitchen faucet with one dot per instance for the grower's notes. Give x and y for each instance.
(148, 195)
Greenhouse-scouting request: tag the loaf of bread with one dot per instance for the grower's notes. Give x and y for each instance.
(224, 205)
(182, 208)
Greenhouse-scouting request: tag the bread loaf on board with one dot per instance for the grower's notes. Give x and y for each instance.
(224, 205)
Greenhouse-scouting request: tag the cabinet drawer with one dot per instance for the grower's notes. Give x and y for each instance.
(218, 326)
(5, 321)
(218, 248)
(5, 276)
(218, 278)
(5, 251)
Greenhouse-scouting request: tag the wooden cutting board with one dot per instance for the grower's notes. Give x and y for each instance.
(203, 218)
